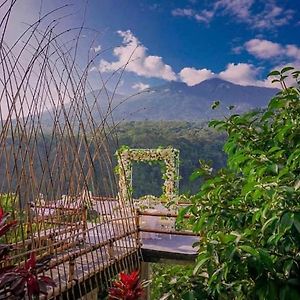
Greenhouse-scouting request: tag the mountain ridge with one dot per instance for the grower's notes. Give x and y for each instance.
(174, 101)
(178, 101)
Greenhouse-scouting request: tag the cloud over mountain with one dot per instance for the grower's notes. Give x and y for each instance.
(240, 73)
(134, 57)
(192, 76)
(140, 86)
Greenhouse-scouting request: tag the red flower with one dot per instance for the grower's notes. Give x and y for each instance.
(126, 288)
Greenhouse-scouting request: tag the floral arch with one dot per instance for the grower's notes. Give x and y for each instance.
(169, 156)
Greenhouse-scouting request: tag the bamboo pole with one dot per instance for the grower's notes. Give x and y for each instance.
(71, 272)
(84, 222)
(137, 222)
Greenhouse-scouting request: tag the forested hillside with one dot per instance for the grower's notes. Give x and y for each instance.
(194, 140)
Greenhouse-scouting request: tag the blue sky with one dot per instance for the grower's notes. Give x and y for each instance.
(188, 41)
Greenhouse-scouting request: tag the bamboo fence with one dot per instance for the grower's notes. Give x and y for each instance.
(56, 163)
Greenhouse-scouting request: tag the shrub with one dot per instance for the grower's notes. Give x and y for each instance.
(249, 212)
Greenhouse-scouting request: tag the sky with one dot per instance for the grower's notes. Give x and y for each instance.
(155, 42)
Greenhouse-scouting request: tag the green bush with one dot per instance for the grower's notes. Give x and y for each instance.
(249, 212)
(175, 283)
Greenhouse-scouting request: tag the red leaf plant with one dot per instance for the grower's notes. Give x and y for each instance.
(17, 279)
(127, 287)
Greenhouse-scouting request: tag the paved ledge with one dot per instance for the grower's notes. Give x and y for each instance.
(156, 256)
(167, 248)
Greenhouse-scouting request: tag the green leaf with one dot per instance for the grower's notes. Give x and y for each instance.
(282, 78)
(199, 223)
(214, 276)
(195, 175)
(199, 265)
(215, 104)
(249, 250)
(274, 73)
(266, 259)
(297, 185)
(287, 266)
(273, 168)
(286, 222)
(297, 222)
(274, 149)
(286, 69)
(183, 212)
(275, 80)
(269, 223)
(189, 296)
(226, 238)
(215, 123)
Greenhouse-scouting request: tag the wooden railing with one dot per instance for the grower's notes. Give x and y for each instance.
(140, 213)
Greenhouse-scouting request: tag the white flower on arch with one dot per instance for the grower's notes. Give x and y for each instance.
(169, 156)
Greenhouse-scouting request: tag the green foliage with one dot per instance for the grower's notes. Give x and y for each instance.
(175, 283)
(9, 202)
(249, 212)
(194, 140)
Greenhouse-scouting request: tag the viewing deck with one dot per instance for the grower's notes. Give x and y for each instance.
(85, 254)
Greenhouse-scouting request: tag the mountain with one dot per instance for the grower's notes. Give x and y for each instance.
(174, 101)
(177, 101)
(99, 104)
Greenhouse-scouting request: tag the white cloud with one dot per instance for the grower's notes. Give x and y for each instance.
(272, 16)
(293, 52)
(241, 73)
(192, 76)
(263, 48)
(140, 86)
(269, 17)
(237, 8)
(203, 16)
(280, 55)
(237, 50)
(133, 56)
(181, 12)
(96, 49)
